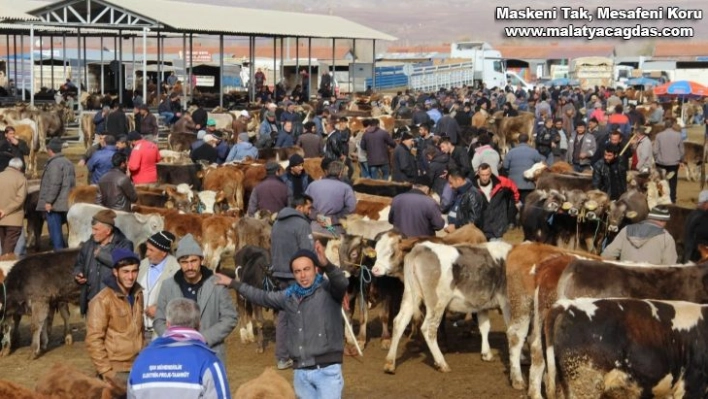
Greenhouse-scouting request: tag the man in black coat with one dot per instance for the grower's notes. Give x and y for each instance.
(405, 166)
(12, 147)
(610, 173)
(116, 123)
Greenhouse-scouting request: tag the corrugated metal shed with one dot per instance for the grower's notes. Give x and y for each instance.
(17, 10)
(180, 16)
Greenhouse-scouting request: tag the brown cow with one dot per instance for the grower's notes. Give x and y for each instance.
(181, 141)
(227, 179)
(65, 382)
(507, 129)
(218, 237)
(520, 265)
(269, 385)
(692, 158)
(253, 231)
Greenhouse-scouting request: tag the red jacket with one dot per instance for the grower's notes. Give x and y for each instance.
(143, 162)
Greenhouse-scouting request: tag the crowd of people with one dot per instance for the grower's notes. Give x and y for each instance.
(170, 310)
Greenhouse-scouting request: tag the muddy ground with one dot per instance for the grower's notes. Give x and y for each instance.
(364, 377)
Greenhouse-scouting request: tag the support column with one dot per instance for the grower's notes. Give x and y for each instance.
(135, 74)
(373, 66)
(63, 56)
(309, 64)
(51, 50)
(14, 70)
(41, 67)
(352, 78)
(78, 68)
(297, 61)
(275, 63)
(102, 69)
(144, 63)
(31, 64)
(22, 70)
(221, 70)
(86, 85)
(159, 66)
(252, 69)
(121, 85)
(282, 64)
(7, 55)
(191, 67)
(184, 66)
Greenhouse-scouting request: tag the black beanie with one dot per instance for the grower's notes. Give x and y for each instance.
(306, 253)
(162, 240)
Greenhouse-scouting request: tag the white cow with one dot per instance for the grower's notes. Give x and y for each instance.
(136, 227)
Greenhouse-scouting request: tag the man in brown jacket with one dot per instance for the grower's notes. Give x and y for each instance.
(13, 191)
(185, 124)
(114, 330)
(115, 189)
(148, 124)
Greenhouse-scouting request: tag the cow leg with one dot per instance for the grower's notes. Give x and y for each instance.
(385, 316)
(484, 327)
(243, 320)
(7, 333)
(258, 316)
(40, 311)
(47, 329)
(16, 318)
(409, 305)
(516, 335)
(538, 364)
(363, 320)
(433, 317)
(64, 311)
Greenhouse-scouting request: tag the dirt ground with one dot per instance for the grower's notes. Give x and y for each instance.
(364, 377)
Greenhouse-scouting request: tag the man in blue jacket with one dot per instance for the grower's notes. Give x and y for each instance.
(101, 161)
(312, 307)
(179, 364)
(519, 159)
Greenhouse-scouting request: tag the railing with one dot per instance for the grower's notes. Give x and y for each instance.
(432, 78)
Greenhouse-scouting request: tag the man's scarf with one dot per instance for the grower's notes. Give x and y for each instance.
(300, 292)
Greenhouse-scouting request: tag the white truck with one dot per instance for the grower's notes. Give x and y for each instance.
(592, 71)
(487, 63)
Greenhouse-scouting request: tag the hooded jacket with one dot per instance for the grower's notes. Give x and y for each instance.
(291, 232)
(643, 242)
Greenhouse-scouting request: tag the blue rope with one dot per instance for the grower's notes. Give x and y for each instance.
(364, 279)
(268, 284)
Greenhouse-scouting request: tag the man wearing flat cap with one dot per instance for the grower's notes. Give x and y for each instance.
(58, 179)
(158, 266)
(197, 282)
(405, 166)
(271, 194)
(93, 265)
(312, 307)
(114, 329)
(425, 220)
(646, 241)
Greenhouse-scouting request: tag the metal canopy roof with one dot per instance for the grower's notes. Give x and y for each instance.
(177, 16)
(17, 10)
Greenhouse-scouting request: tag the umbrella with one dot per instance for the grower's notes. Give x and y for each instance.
(562, 82)
(643, 81)
(682, 88)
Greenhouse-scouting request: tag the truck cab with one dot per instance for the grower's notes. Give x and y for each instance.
(514, 80)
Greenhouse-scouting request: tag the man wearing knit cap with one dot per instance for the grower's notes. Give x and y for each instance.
(271, 194)
(696, 230)
(242, 149)
(58, 179)
(114, 329)
(646, 241)
(197, 282)
(158, 266)
(93, 265)
(295, 177)
(312, 307)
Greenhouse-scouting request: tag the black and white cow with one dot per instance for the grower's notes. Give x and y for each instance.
(628, 348)
(462, 278)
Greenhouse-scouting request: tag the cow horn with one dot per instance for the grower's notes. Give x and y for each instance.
(591, 205)
(631, 214)
(567, 205)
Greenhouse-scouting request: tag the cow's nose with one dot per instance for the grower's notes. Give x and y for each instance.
(613, 228)
(591, 215)
(573, 212)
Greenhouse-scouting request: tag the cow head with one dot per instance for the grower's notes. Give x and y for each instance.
(182, 198)
(615, 215)
(389, 254)
(596, 205)
(535, 171)
(151, 224)
(553, 201)
(211, 201)
(574, 202)
(356, 252)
